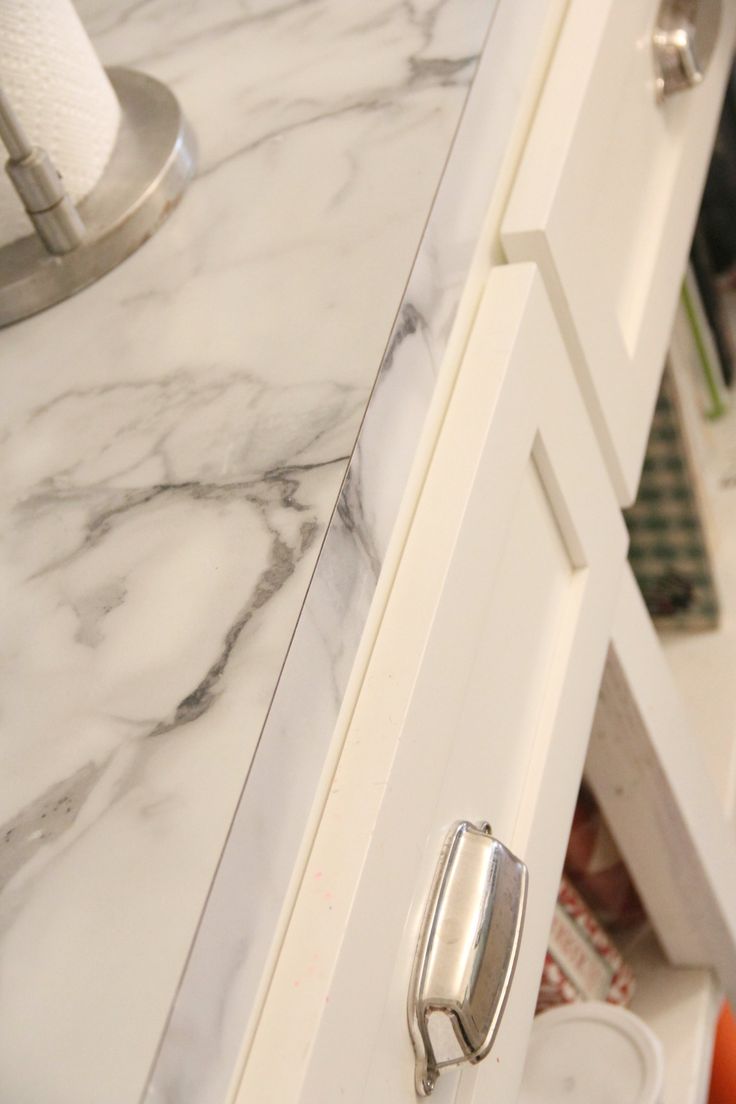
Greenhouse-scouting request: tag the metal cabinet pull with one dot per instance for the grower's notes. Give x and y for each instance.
(466, 953)
(684, 39)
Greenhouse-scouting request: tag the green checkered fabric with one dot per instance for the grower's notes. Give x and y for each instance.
(668, 551)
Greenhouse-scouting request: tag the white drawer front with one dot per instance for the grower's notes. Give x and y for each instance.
(476, 705)
(605, 202)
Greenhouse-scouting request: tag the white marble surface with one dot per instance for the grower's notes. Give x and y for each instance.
(172, 447)
(216, 1001)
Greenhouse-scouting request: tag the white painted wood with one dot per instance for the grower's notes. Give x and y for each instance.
(651, 780)
(681, 1006)
(703, 664)
(605, 202)
(477, 703)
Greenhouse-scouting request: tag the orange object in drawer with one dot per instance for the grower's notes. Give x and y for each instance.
(723, 1077)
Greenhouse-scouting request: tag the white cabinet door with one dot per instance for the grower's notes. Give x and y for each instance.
(650, 776)
(476, 705)
(605, 202)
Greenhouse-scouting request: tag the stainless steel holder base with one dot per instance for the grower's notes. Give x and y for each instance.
(150, 166)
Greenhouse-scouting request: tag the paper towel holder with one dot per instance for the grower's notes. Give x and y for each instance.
(150, 166)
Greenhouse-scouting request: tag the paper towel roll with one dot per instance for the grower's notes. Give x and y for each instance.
(54, 80)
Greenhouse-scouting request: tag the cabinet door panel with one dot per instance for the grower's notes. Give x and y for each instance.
(476, 705)
(605, 202)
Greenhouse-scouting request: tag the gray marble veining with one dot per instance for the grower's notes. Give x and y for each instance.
(188, 560)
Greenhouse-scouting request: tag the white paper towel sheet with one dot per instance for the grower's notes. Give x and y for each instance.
(60, 92)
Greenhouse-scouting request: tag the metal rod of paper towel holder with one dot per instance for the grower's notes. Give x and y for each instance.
(11, 132)
(39, 186)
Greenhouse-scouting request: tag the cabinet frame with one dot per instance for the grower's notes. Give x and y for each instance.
(605, 202)
(406, 771)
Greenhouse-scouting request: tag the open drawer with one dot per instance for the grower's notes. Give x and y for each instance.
(476, 705)
(605, 203)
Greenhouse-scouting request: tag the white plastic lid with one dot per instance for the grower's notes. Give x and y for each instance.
(592, 1053)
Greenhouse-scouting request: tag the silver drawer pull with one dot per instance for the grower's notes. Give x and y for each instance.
(684, 39)
(466, 953)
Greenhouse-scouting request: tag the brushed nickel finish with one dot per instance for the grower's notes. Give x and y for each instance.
(467, 952)
(683, 41)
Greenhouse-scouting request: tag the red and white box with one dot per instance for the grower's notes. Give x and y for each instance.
(582, 962)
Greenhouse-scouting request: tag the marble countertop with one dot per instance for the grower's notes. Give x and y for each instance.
(189, 552)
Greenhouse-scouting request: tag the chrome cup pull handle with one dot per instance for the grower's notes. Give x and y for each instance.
(467, 952)
(683, 41)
